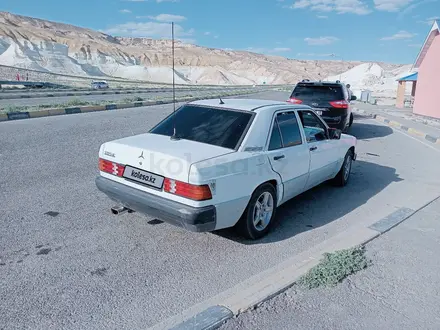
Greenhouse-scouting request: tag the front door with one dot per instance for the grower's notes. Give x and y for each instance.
(289, 154)
(323, 151)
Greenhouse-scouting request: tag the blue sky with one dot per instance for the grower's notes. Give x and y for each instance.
(377, 30)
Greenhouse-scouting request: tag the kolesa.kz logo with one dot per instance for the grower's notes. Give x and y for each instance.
(139, 175)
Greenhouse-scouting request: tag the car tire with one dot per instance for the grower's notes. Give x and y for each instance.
(341, 179)
(345, 126)
(249, 226)
(351, 120)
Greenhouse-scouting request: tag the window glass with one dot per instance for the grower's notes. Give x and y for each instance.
(213, 126)
(345, 92)
(275, 138)
(315, 93)
(289, 128)
(313, 127)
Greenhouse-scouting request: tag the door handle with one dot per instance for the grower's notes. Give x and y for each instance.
(313, 148)
(278, 157)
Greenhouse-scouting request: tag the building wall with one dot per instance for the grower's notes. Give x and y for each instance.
(426, 101)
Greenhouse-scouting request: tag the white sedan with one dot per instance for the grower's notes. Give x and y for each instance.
(216, 164)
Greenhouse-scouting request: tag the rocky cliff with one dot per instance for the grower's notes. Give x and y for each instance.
(32, 43)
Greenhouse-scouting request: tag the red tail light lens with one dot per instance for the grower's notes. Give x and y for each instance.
(294, 100)
(110, 167)
(187, 190)
(339, 104)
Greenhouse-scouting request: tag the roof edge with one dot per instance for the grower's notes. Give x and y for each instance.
(411, 77)
(434, 27)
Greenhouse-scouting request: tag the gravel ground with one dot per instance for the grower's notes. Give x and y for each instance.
(68, 263)
(399, 291)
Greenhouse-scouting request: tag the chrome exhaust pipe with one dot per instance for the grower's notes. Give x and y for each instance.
(118, 210)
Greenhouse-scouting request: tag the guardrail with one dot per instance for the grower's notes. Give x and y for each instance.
(87, 89)
(113, 79)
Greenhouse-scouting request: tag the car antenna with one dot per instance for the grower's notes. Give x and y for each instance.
(174, 136)
(221, 101)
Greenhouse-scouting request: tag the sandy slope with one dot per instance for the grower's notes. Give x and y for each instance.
(372, 76)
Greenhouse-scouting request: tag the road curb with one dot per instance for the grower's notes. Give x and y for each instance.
(211, 318)
(86, 109)
(250, 294)
(396, 124)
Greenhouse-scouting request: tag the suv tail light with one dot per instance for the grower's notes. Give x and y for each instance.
(339, 104)
(187, 190)
(110, 167)
(294, 100)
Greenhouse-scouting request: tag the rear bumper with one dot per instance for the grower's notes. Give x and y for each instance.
(338, 121)
(196, 219)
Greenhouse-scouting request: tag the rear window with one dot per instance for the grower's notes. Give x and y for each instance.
(328, 93)
(223, 128)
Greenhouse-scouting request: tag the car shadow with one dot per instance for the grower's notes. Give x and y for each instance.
(324, 204)
(364, 131)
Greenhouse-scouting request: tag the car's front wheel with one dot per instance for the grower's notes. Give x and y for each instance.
(260, 212)
(341, 179)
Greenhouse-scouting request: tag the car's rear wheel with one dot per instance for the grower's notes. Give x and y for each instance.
(260, 212)
(351, 120)
(341, 179)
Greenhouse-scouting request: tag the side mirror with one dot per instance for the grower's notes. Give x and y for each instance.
(334, 133)
(353, 98)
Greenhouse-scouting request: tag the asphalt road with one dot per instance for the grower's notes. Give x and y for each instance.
(4, 94)
(20, 93)
(67, 262)
(399, 291)
(99, 97)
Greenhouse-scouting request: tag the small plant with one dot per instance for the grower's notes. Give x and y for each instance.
(335, 267)
(132, 99)
(75, 102)
(71, 103)
(13, 108)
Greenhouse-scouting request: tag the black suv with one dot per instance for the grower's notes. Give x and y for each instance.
(329, 99)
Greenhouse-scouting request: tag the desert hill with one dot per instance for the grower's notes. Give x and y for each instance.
(52, 47)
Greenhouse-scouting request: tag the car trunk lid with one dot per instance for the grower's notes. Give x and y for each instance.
(149, 158)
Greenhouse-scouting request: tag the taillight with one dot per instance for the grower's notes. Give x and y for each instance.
(339, 104)
(187, 190)
(110, 167)
(294, 100)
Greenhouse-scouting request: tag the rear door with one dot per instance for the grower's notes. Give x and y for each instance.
(323, 151)
(288, 153)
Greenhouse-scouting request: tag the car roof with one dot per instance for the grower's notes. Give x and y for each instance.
(242, 104)
(311, 83)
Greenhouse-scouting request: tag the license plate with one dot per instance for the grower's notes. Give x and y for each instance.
(144, 177)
